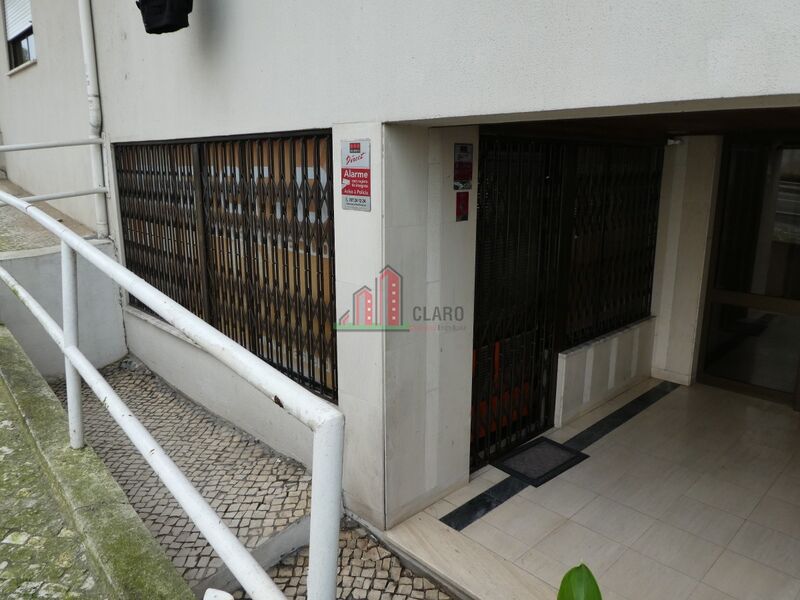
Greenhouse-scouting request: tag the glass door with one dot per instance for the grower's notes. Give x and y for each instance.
(751, 337)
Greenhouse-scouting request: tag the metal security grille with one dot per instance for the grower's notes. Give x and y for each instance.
(615, 217)
(520, 208)
(566, 236)
(240, 232)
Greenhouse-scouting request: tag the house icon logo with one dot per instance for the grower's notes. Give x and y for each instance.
(377, 308)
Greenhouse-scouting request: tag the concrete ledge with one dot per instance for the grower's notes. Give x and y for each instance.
(120, 546)
(596, 371)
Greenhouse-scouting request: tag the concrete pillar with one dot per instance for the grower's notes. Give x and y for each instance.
(685, 224)
(428, 369)
(359, 255)
(406, 394)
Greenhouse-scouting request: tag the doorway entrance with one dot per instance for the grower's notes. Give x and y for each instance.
(751, 337)
(566, 236)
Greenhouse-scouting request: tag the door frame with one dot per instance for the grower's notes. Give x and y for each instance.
(713, 295)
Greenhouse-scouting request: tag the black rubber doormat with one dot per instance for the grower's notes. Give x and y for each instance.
(540, 461)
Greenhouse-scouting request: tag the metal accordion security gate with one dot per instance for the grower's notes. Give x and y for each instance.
(566, 236)
(240, 232)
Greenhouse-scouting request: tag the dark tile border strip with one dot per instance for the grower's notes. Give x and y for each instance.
(481, 504)
(606, 425)
(474, 509)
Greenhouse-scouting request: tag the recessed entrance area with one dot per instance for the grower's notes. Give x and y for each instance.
(566, 237)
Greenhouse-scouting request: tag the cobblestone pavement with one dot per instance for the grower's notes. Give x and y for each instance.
(40, 556)
(19, 232)
(366, 571)
(255, 490)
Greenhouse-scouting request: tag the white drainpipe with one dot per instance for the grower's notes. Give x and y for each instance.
(95, 113)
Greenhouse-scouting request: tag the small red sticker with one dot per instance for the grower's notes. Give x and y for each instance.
(462, 206)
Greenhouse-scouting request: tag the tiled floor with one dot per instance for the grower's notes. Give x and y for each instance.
(696, 498)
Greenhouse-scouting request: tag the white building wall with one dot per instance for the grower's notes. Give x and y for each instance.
(201, 377)
(45, 102)
(251, 66)
(101, 336)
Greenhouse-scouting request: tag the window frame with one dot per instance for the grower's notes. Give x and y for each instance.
(19, 44)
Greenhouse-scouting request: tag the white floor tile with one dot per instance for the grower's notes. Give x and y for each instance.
(595, 474)
(559, 495)
(779, 515)
(654, 494)
(542, 566)
(725, 495)
(746, 579)
(572, 544)
(612, 519)
(786, 488)
(705, 521)
(492, 474)
(793, 467)
(562, 434)
(773, 437)
(524, 520)
(752, 466)
(678, 549)
(706, 592)
(440, 508)
(495, 540)
(637, 577)
(768, 546)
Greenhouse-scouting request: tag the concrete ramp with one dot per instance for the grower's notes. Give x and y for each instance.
(68, 529)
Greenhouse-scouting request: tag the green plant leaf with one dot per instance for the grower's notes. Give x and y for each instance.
(579, 584)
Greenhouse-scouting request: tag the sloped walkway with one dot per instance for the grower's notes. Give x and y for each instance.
(257, 491)
(40, 555)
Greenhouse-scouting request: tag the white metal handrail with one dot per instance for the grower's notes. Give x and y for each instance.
(60, 195)
(92, 141)
(325, 420)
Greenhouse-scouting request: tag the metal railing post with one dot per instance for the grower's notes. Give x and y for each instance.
(69, 301)
(326, 509)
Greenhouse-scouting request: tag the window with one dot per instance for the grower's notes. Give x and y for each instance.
(19, 32)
